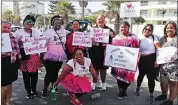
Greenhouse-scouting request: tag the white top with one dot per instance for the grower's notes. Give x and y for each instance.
(147, 44)
(80, 70)
(21, 34)
(53, 38)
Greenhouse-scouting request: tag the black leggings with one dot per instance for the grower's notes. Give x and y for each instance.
(52, 69)
(146, 67)
(123, 85)
(30, 81)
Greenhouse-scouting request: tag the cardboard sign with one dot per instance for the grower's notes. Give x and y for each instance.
(34, 45)
(130, 9)
(166, 54)
(121, 57)
(5, 43)
(82, 39)
(100, 35)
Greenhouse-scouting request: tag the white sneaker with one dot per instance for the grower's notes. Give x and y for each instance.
(103, 86)
(94, 86)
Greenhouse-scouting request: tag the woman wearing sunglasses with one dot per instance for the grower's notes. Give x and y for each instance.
(55, 55)
(149, 44)
(30, 64)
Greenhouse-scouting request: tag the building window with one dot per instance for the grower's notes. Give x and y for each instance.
(172, 12)
(143, 12)
(144, 3)
(161, 2)
(161, 12)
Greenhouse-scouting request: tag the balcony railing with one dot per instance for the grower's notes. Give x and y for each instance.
(145, 15)
(166, 15)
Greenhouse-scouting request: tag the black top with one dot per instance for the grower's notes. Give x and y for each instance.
(96, 53)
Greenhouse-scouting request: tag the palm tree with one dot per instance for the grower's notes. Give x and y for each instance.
(64, 9)
(83, 4)
(16, 20)
(7, 16)
(113, 8)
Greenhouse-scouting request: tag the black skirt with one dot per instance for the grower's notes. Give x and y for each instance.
(9, 71)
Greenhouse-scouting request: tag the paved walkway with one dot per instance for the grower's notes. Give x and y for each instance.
(108, 97)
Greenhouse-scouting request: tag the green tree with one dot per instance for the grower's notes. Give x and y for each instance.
(138, 20)
(7, 16)
(52, 6)
(16, 20)
(92, 18)
(40, 21)
(65, 9)
(113, 8)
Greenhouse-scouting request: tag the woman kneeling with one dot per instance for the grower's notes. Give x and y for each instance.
(73, 77)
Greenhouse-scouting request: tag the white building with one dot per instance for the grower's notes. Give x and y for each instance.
(6, 6)
(27, 8)
(159, 12)
(16, 8)
(87, 12)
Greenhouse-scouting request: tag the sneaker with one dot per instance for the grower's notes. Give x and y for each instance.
(36, 94)
(137, 92)
(103, 87)
(75, 101)
(94, 86)
(44, 93)
(29, 96)
(151, 99)
(124, 94)
(70, 94)
(161, 97)
(120, 95)
(168, 102)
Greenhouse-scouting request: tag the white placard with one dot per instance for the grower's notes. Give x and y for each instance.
(121, 57)
(130, 9)
(82, 39)
(166, 54)
(34, 45)
(6, 43)
(100, 35)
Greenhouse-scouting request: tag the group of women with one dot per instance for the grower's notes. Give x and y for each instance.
(81, 61)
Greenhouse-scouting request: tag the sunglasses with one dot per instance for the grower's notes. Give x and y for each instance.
(147, 29)
(30, 21)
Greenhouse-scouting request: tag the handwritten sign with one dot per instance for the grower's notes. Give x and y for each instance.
(82, 39)
(6, 43)
(166, 54)
(121, 57)
(34, 45)
(100, 35)
(130, 9)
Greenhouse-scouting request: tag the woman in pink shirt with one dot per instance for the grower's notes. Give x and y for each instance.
(55, 55)
(124, 76)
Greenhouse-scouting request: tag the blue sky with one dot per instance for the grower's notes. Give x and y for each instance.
(94, 6)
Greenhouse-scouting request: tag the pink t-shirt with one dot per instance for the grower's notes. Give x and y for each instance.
(55, 48)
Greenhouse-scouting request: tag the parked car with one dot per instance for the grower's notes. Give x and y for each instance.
(84, 25)
(14, 28)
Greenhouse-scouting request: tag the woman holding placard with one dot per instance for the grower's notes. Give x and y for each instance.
(30, 64)
(97, 52)
(10, 63)
(124, 76)
(70, 48)
(147, 63)
(168, 71)
(55, 55)
(73, 77)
